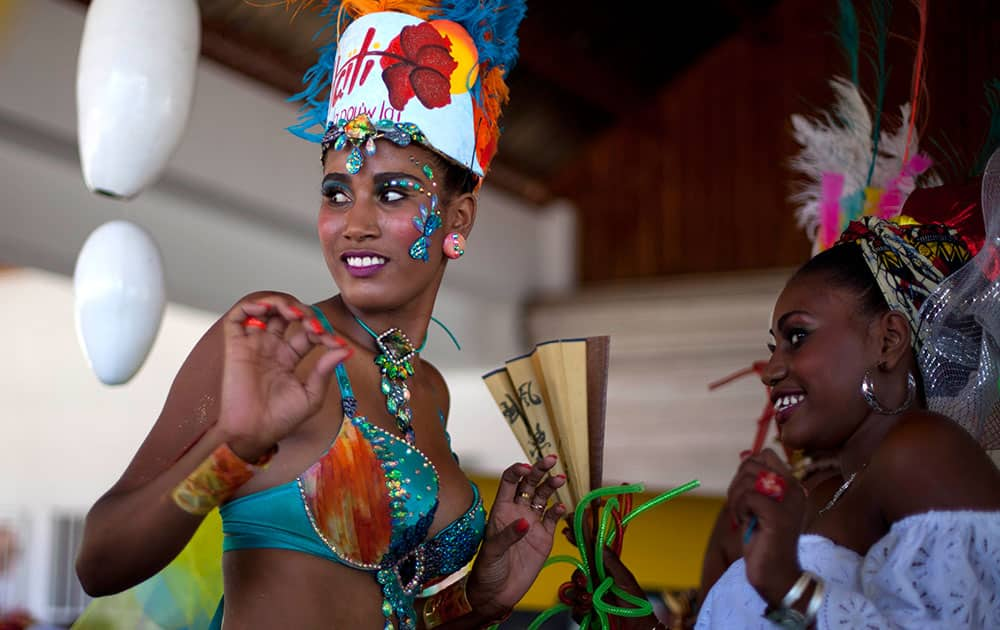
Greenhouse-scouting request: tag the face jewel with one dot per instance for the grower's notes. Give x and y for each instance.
(359, 128)
(354, 161)
(361, 132)
(426, 223)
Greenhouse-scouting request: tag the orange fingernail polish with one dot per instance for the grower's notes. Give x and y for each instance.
(316, 326)
(296, 311)
(560, 476)
(253, 322)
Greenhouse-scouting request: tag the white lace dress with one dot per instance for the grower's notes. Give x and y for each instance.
(933, 570)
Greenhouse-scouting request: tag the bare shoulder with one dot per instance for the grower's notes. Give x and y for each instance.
(190, 408)
(438, 387)
(928, 462)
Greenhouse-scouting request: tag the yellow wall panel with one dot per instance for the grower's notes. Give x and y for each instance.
(663, 547)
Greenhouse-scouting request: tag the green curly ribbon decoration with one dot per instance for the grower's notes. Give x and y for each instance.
(598, 583)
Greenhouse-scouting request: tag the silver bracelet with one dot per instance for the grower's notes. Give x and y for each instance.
(784, 616)
(819, 591)
(797, 589)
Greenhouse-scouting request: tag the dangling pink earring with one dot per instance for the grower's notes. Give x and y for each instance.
(454, 245)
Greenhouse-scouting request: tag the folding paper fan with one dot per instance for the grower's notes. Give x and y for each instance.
(554, 401)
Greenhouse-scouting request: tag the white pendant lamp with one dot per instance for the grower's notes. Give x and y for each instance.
(119, 296)
(135, 80)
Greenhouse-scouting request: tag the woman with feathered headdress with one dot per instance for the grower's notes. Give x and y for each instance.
(362, 518)
(885, 355)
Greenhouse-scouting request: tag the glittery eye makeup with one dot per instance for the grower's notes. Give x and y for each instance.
(402, 183)
(334, 189)
(332, 184)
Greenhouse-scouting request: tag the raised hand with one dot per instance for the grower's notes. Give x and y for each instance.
(263, 398)
(765, 493)
(518, 538)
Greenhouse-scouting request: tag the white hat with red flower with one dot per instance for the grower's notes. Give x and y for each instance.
(431, 71)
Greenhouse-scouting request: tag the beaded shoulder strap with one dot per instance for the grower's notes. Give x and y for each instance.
(348, 402)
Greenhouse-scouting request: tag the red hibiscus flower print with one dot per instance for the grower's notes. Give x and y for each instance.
(419, 63)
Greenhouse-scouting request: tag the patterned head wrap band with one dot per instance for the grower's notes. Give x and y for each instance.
(908, 262)
(945, 278)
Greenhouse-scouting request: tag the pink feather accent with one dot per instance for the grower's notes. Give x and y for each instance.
(891, 203)
(829, 211)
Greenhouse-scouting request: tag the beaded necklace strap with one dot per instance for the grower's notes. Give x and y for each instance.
(348, 401)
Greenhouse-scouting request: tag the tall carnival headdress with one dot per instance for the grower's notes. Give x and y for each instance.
(853, 163)
(425, 71)
(934, 250)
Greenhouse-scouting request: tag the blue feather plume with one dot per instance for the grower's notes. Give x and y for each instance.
(850, 40)
(492, 24)
(318, 79)
(881, 10)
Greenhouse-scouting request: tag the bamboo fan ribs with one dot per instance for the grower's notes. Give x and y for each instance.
(554, 400)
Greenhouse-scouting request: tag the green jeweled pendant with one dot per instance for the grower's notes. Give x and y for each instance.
(395, 346)
(395, 362)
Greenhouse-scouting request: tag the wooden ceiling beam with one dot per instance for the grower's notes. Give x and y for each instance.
(552, 56)
(250, 58)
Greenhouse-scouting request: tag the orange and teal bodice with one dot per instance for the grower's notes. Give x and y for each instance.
(367, 503)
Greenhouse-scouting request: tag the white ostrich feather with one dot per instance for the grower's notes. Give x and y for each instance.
(891, 148)
(837, 142)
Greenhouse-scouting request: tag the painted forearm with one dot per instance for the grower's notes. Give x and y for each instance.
(131, 534)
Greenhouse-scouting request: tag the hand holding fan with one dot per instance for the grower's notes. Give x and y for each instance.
(554, 400)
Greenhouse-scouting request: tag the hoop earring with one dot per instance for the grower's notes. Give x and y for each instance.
(868, 391)
(454, 245)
